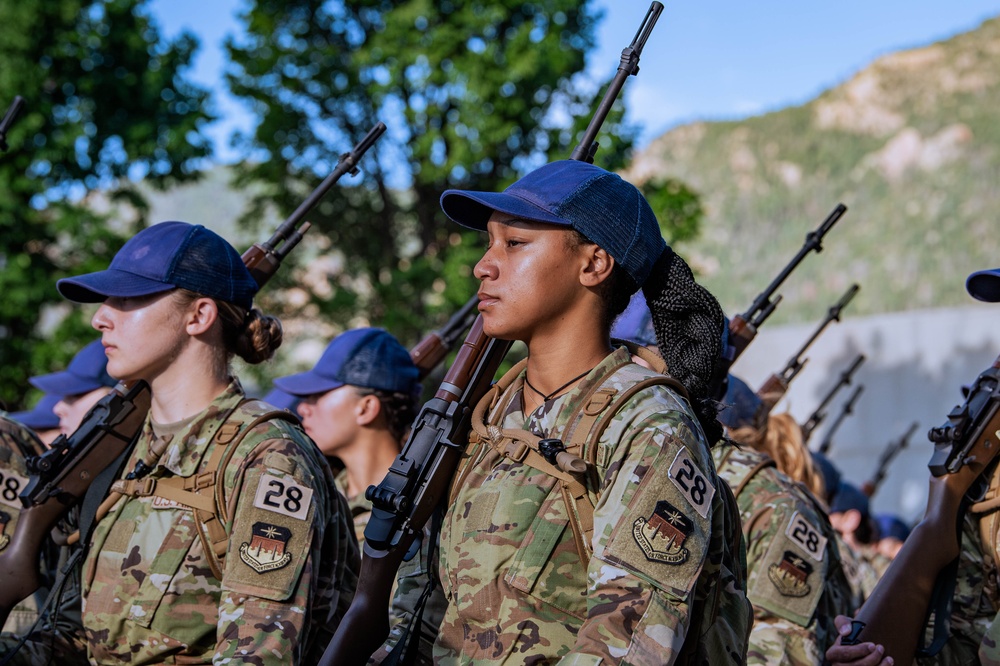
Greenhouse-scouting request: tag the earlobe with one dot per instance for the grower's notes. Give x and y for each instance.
(598, 267)
(369, 407)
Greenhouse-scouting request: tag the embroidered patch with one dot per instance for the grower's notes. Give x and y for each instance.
(10, 488)
(266, 550)
(283, 496)
(694, 485)
(805, 535)
(164, 503)
(4, 538)
(791, 576)
(661, 536)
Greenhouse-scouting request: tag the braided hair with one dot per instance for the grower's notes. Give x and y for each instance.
(688, 321)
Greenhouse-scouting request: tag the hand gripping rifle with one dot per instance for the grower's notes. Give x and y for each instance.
(777, 385)
(743, 327)
(421, 474)
(845, 411)
(870, 487)
(917, 580)
(8, 120)
(819, 414)
(61, 476)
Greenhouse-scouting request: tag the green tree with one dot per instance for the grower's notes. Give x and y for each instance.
(475, 93)
(107, 104)
(678, 208)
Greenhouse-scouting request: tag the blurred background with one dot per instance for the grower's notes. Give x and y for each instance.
(747, 124)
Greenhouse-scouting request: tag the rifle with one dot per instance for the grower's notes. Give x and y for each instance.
(818, 415)
(263, 259)
(777, 385)
(847, 409)
(870, 487)
(432, 349)
(743, 327)
(421, 474)
(8, 120)
(964, 447)
(61, 476)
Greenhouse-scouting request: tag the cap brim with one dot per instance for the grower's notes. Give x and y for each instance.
(281, 399)
(984, 285)
(474, 209)
(96, 287)
(306, 383)
(41, 416)
(65, 383)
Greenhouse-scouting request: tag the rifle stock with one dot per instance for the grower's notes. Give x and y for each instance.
(59, 480)
(422, 472)
(431, 350)
(896, 613)
(743, 327)
(264, 258)
(871, 486)
(774, 389)
(819, 414)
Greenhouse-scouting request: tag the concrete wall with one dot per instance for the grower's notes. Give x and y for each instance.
(916, 364)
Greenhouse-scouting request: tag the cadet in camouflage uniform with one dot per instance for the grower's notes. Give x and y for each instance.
(975, 605)
(635, 557)
(252, 563)
(357, 403)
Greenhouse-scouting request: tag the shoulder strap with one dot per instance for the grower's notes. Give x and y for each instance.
(742, 469)
(204, 492)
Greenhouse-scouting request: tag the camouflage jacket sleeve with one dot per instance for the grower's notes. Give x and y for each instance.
(291, 545)
(652, 530)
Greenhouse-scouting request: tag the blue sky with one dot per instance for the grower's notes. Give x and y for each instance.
(705, 59)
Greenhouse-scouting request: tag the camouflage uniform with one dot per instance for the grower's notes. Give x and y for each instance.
(856, 572)
(360, 507)
(796, 583)
(289, 571)
(663, 585)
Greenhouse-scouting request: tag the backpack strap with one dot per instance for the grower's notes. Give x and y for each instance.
(204, 492)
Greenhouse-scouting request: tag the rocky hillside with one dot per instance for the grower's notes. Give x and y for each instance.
(911, 145)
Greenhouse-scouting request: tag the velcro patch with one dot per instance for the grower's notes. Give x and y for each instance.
(694, 485)
(266, 550)
(807, 536)
(11, 485)
(283, 496)
(164, 503)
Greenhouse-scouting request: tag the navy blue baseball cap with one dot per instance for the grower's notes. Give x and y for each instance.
(282, 400)
(984, 285)
(86, 372)
(163, 257)
(365, 357)
(635, 324)
(849, 497)
(891, 527)
(41, 416)
(599, 204)
(829, 472)
(742, 406)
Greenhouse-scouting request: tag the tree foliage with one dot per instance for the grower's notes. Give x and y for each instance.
(474, 93)
(106, 104)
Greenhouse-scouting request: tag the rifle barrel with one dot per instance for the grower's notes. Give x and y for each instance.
(795, 364)
(818, 415)
(8, 120)
(628, 66)
(847, 410)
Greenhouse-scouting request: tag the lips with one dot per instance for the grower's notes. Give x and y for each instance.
(487, 300)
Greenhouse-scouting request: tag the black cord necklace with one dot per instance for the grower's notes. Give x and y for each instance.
(546, 398)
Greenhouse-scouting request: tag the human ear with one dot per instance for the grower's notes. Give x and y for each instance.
(200, 316)
(368, 409)
(597, 267)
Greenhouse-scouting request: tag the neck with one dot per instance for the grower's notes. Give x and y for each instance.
(188, 385)
(555, 361)
(367, 459)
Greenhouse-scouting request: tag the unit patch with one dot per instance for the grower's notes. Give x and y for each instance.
(11, 486)
(661, 536)
(694, 485)
(266, 550)
(805, 535)
(4, 537)
(791, 575)
(283, 496)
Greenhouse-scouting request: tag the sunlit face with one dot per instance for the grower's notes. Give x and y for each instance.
(71, 409)
(528, 277)
(890, 547)
(141, 336)
(331, 418)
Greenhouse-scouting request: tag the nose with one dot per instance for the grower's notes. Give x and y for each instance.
(101, 319)
(304, 409)
(60, 409)
(486, 268)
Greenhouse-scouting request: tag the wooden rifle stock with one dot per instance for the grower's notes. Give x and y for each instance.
(264, 258)
(743, 327)
(774, 389)
(896, 613)
(59, 480)
(430, 352)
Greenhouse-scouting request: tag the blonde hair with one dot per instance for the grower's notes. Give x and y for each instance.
(782, 440)
(253, 335)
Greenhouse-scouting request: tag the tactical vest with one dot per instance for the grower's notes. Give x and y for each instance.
(205, 492)
(987, 511)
